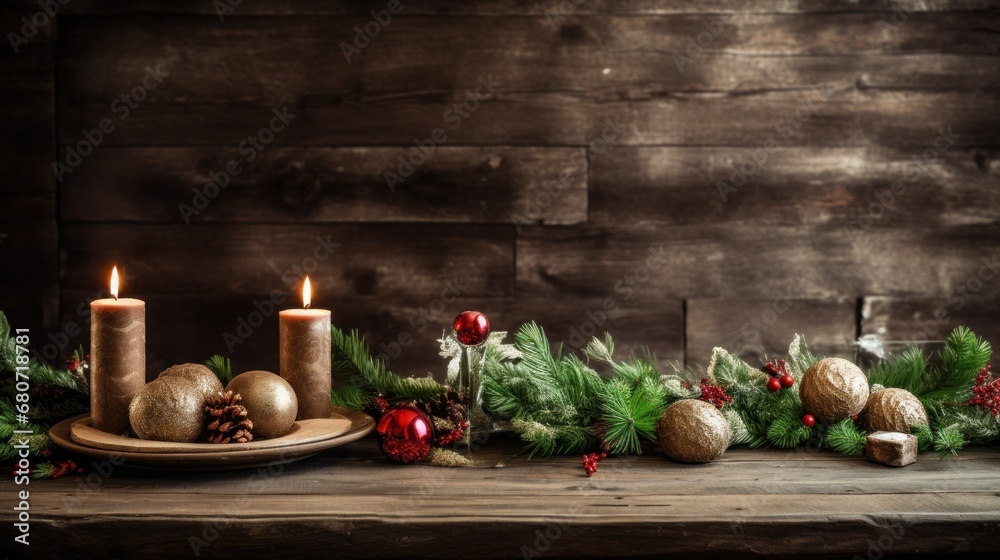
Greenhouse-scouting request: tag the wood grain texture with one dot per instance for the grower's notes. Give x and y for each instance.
(923, 319)
(761, 330)
(521, 7)
(552, 88)
(479, 185)
(350, 499)
(833, 187)
(28, 229)
(343, 259)
(752, 262)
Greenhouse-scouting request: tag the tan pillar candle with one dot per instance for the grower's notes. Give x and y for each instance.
(117, 358)
(304, 344)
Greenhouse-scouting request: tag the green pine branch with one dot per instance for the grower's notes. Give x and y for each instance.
(353, 366)
(222, 367)
(907, 370)
(963, 356)
(846, 438)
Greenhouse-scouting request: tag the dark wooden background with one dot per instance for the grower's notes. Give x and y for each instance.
(890, 75)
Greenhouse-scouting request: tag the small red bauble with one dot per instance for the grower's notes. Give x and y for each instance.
(471, 328)
(809, 420)
(404, 434)
(786, 381)
(773, 384)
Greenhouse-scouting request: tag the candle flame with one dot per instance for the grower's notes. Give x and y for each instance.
(306, 293)
(114, 282)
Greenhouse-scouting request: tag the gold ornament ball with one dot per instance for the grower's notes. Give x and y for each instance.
(270, 402)
(168, 409)
(200, 374)
(834, 389)
(894, 410)
(693, 431)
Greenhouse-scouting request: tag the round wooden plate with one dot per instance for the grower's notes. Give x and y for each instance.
(361, 425)
(303, 431)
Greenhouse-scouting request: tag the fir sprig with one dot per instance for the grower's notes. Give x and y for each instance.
(846, 438)
(356, 370)
(222, 367)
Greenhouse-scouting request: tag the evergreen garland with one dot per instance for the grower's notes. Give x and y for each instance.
(563, 403)
(54, 395)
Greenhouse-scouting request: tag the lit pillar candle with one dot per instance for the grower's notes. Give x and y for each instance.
(304, 343)
(117, 358)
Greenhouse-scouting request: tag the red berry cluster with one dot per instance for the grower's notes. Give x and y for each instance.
(64, 468)
(714, 394)
(780, 378)
(590, 462)
(454, 435)
(986, 391)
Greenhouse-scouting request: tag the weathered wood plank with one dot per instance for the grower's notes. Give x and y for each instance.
(352, 499)
(552, 89)
(481, 185)
(737, 472)
(29, 268)
(928, 319)
(832, 186)
(28, 231)
(760, 330)
(402, 330)
(751, 262)
(520, 7)
(344, 260)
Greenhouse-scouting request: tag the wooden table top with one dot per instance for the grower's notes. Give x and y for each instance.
(350, 503)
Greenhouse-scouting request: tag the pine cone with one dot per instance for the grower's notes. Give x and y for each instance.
(227, 419)
(449, 406)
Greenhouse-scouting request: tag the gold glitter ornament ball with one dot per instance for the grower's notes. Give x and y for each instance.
(693, 431)
(894, 410)
(200, 374)
(834, 389)
(270, 402)
(168, 409)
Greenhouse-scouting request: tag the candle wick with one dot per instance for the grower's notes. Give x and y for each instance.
(116, 297)
(306, 306)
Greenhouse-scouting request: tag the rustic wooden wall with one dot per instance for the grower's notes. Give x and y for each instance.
(535, 206)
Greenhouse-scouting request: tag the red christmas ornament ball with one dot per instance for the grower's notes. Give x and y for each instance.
(786, 381)
(404, 434)
(773, 384)
(809, 420)
(471, 328)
